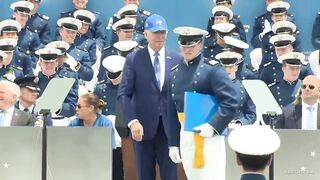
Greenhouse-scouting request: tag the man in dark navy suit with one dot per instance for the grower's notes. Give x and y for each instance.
(254, 146)
(304, 112)
(143, 95)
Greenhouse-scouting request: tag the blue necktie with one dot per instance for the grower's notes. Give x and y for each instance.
(156, 67)
(311, 119)
(1, 118)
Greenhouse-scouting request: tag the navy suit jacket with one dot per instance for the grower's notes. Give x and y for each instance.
(140, 96)
(291, 117)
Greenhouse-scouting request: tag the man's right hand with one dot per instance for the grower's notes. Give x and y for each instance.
(136, 131)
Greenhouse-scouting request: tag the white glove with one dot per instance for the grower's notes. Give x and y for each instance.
(71, 62)
(174, 154)
(234, 124)
(267, 28)
(205, 130)
(37, 69)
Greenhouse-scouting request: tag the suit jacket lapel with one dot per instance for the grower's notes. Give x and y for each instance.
(298, 116)
(14, 119)
(167, 65)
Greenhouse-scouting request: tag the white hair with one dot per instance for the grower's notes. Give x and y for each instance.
(12, 87)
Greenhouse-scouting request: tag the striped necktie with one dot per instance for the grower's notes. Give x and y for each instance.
(156, 67)
(311, 124)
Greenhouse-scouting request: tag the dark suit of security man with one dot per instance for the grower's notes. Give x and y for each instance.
(304, 112)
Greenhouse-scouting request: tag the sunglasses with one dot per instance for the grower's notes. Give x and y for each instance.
(80, 106)
(304, 86)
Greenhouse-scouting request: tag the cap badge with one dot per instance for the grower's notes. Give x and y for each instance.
(159, 22)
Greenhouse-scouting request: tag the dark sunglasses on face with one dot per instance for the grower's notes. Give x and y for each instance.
(80, 106)
(310, 86)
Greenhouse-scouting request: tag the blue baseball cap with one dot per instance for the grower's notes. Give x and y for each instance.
(155, 23)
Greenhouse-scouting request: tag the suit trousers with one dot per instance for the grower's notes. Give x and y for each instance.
(129, 162)
(150, 152)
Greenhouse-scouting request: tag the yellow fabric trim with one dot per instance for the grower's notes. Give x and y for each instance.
(198, 151)
(181, 117)
(198, 144)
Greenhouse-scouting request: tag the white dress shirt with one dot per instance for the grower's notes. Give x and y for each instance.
(29, 108)
(162, 59)
(8, 116)
(305, 113)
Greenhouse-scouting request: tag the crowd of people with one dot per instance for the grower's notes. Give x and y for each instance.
(136, 85)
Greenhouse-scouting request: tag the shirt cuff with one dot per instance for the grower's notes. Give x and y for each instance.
(131, 122)
(174, 147)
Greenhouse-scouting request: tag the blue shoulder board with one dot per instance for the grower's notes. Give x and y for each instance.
(105, 48)
(174, 67)
(236, 16)
(32, 29)
(26, 51)
(260, 16)
(272, 84)
(17, 68)
(211, 62)
(81, 49)
(44, 17)
(144, 12)
(101, 82)
(96, 12)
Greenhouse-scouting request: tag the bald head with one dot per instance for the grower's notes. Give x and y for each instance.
(136, 2)
(312, 78)
(9, 94)
(271, 1)
(80, 4)
(310, 89)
